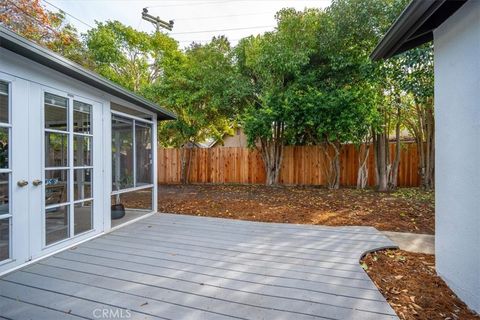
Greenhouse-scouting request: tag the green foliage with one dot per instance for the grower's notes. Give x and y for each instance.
(334, 114)
(273, 62)
(129, 57)
(416, 74)
(206, 92)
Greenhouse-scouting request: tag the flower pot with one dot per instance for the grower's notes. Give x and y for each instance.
(118, 211)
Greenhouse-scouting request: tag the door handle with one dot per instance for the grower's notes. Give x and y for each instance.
(37, 182)
(22, 183)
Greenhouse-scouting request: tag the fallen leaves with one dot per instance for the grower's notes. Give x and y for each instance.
(411, 286)
(399, 211)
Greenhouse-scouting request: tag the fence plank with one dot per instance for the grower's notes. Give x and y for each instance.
(302, 165)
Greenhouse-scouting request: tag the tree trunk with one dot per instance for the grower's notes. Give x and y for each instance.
(380, 149)
(386, 170)
(362, 176)
(393, 177)
(332, 164)
(271, 150)
(422, 126)
(185, 159)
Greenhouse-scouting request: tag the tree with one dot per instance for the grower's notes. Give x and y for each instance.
(33, 21)
(332, 99)
(331, 117)
(131, 58)
(272, 63)
(417, 81)
(359, 25)
(206, 92)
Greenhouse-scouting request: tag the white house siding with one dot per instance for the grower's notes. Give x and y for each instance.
(28, 222)
(457, 103)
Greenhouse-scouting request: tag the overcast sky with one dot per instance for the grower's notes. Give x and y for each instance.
(195, 20)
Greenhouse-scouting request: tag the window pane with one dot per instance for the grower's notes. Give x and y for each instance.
(56, 149)
(56, 112)
(143, 140)
(122, 153)
(82, 120)
(4, 239)
(3, 87)
(56, 224)
(4, 193)
(56, 187)
(4, 112)
(83, 217)
(82, 151)
(4, 148)
(83, 184)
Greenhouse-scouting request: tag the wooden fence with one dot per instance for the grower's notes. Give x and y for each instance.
(301, 165)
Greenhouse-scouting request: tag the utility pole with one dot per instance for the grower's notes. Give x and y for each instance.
(156, 21)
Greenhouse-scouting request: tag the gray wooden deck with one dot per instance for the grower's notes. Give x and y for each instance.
(182, 267)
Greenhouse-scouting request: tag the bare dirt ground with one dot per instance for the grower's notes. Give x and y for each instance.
(407, 210)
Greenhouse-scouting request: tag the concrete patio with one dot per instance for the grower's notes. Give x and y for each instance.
(183, 267)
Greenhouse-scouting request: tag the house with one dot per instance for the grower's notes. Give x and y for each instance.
(75, 149)
(236, 140)
(454, 27)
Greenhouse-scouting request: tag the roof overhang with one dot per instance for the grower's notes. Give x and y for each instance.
(415, 26)
(21, 46)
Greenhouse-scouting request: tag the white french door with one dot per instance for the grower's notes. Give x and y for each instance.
(50, 170)
(14, 161)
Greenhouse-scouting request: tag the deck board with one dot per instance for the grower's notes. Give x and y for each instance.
(185, 267)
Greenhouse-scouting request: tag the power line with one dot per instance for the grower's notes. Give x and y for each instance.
(231, 29)
(205, 40)
(68, 14)
(225, 16)
(186, 4)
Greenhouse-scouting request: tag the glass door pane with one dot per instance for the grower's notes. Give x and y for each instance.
(57, 168)
(82, 167)
(68, 168)
(5, 173)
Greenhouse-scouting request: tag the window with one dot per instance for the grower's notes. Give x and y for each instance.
(5, 172)
(131, 153)
(122, 153)
(68, 168)
(132, 167)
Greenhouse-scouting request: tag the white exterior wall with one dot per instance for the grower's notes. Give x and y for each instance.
(457, 108)
(35, 78)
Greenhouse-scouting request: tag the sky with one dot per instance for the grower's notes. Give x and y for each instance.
(195, 20)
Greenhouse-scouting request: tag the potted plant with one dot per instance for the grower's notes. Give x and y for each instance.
(118, 209)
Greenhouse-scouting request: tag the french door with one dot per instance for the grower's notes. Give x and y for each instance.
(50, 170)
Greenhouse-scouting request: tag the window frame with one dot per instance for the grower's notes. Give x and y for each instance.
(9, 216)
(134, 150)
(71, 134)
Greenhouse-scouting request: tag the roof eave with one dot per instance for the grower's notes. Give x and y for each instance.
(414, 15)
(19, 45)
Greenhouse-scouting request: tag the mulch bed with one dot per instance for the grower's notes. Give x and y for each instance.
(407, 210)
(411, 286)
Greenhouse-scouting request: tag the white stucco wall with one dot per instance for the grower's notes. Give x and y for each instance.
(457, 108)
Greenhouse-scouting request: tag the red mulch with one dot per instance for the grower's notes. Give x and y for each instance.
(407, 210)
(411, 286)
